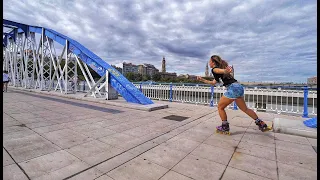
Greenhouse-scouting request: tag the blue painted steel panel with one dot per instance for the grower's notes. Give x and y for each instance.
(35, 29)
(8, 23)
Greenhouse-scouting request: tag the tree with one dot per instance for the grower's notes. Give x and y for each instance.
(138, 77)
(146, 77)
(130, 76)
(156, 77)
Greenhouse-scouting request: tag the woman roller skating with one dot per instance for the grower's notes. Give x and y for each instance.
(235, 91)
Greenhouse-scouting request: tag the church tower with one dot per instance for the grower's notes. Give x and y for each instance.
(163, 65)
(207, 71)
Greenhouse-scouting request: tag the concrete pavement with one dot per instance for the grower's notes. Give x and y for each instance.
(49, 137)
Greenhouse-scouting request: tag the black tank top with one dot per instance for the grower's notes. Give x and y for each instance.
(227, 80)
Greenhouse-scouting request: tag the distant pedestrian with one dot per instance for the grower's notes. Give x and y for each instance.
(235, 92)
(5, 80)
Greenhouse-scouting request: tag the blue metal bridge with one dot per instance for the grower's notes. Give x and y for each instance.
(38, 65)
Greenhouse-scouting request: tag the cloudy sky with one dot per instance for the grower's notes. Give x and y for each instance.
(274, 40)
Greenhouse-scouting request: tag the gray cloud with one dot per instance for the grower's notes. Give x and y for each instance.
(264, 40)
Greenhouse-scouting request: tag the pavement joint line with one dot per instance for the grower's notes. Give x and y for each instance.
(234, 151)
(62, 123)
(163, 142)
(50, 142)
(28, 110)
(45, 139)
(35, 122)
(131, 149)
(185, 155)
(275, 152)
(17, 164)
(309, 142)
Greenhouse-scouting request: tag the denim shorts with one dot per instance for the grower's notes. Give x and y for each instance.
(234, 91)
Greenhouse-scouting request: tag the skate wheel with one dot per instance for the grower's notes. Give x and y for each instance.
(269, 128)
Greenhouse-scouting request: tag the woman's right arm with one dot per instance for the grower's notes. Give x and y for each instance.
(213, 82)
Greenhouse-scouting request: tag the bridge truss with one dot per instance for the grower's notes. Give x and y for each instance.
(41, 58)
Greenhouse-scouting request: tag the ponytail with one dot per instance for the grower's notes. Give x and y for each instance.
(220, 63)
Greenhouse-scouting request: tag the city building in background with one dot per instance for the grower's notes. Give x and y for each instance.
(168, 75)
(164, 74)
(117, 68)
(147, 69)
(163, 70)
(129, 67)
(312, 80)
(206, 74)
(188, 76)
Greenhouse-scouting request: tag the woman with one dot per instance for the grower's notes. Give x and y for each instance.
(5, 80)
(235, 91)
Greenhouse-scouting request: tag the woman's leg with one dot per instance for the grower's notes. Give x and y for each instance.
(223, 103)
(242, 105)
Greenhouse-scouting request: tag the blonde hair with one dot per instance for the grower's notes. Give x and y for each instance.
(220, 63)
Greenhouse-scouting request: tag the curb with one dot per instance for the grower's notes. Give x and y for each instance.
(293, 127)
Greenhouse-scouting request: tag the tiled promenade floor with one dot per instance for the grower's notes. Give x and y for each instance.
(47, 137)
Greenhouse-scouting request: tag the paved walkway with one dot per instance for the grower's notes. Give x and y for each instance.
(47, 137)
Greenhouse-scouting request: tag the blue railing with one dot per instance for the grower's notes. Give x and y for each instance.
(247, 86)
(256, 97)
(301, 101)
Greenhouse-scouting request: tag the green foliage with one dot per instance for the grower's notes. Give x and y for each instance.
(137, 77)
(146, 77)
(156, 77)
(130, 76)
(133, 77)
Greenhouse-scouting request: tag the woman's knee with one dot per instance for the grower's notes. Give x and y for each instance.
(220, 107)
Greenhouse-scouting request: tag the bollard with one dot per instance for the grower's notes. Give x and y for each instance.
(235, 107)
(170, 98)
(140, 87)
(84, 86)
(211, 101)
(305, 102)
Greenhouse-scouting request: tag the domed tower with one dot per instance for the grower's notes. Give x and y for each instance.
(207, 71)
(163, 65)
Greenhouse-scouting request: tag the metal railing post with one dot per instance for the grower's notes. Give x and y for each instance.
(140, 87)
(170, 98)
(305, 102)
(211, 99)
(235, 107)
